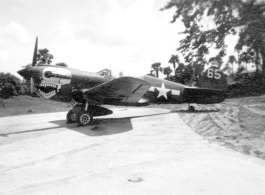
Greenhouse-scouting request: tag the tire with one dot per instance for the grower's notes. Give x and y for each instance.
(71, 117)
(84, 118)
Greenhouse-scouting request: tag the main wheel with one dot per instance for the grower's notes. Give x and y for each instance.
(84, 118)
(71, 117)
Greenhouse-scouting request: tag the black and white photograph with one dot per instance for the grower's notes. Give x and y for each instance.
(132, 97)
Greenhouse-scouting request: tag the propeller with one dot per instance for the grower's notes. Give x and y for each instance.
(27, 72)
(34, 63)
(34, 60)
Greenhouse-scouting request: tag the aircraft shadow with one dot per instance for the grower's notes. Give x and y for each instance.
(27, 131)
(103, 126)
(195, 111)
(100, 126)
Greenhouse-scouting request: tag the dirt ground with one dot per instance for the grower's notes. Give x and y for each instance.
(236, 123)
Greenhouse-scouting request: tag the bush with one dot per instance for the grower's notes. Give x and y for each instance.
(9, 84)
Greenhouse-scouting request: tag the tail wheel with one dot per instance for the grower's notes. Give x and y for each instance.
(191, 108)
(84, 118)
(71, 117)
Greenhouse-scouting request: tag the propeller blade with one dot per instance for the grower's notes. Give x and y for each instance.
(31, 85)
(34, 60)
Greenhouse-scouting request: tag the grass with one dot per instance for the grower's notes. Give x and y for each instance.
(20, 105)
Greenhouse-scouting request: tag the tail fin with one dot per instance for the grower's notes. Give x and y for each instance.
(213, 78)
(34, 60)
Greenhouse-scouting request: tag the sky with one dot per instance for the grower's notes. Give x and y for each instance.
(122, 35)
(91, 35)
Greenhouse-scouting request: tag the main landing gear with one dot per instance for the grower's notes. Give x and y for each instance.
(79, 116)
(84, 118)
(83, 114)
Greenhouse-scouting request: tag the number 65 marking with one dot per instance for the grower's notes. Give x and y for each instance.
(214, 73)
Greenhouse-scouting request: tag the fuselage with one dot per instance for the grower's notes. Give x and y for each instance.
(57, 83)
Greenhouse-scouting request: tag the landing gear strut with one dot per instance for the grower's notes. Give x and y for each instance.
(80, 114)
(83, 114)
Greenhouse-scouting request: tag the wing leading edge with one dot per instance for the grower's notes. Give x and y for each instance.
(121, 90)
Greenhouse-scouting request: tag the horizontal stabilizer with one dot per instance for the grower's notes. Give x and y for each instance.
(203, 95)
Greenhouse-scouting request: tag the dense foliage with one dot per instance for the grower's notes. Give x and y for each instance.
(8, 77)
(209, 22)
(8, 85)
(44, 57)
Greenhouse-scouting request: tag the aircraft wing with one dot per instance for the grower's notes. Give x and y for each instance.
(124, 89)
(203, 95)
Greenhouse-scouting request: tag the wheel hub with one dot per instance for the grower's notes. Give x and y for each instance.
(85, 118)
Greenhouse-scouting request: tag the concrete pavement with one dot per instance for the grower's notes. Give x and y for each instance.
(133, 151)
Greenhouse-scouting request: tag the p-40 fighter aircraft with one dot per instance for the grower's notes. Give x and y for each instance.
(91, 90)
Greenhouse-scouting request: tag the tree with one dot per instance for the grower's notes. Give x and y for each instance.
(8, 76)
(61, 64)
(228, 17)
(218, 59)
(229, 66)
(174, 59)
(167, 71)
(180, 69)
(232, 60)
(188, 75)
(184, 74)
(44, 57)
(157, 67)
(8, 85)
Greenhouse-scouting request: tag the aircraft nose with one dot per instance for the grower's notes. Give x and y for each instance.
(27, 73)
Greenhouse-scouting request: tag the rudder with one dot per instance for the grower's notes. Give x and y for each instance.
(213, 78)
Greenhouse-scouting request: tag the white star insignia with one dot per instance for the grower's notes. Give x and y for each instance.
(162, 91)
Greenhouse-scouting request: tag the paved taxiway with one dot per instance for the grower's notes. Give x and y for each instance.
(133, 151)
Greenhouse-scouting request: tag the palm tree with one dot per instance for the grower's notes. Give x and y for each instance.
(180, 68)
(173, 60)
(167, 71)
(157, 67)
